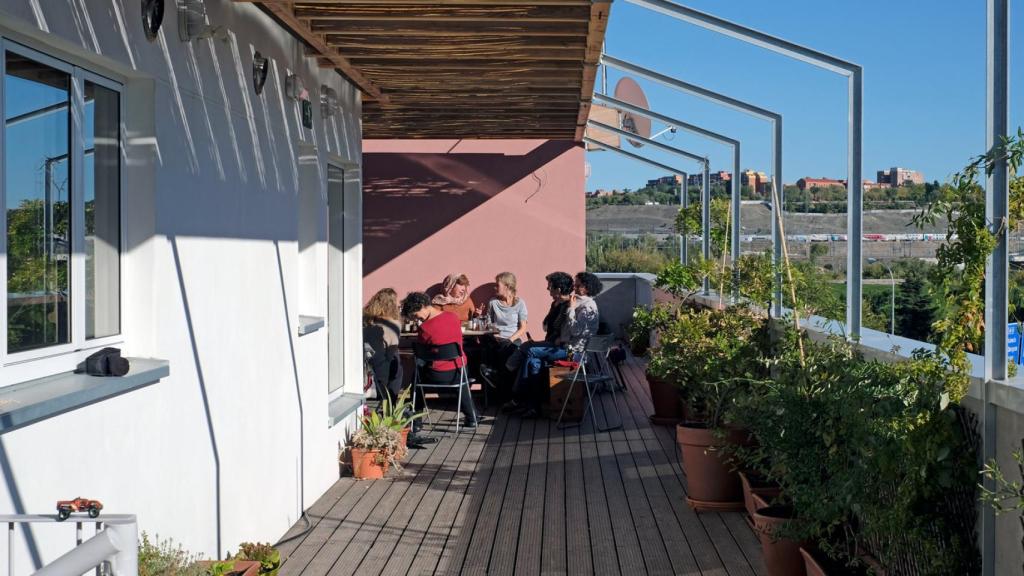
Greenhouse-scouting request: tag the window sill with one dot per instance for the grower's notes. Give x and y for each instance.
(310, 324)
(31, 401)
(342, 407)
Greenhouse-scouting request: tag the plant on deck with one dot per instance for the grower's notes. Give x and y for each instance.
(377, 435)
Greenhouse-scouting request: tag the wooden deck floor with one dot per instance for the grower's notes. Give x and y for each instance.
(522, 497)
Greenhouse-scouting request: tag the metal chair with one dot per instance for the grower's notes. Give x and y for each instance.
(594, 345)
(426, 354)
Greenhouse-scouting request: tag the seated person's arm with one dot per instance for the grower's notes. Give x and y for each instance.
(519, 334)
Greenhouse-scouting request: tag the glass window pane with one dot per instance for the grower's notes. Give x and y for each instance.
(38, 200)
(102, 190)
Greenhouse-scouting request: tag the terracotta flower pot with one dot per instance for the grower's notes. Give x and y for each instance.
(817, 564)
(365, 466)
(712, 484)
(665, 397)
(241, 567)
(403, 441)
(781, 555)
(752, 484)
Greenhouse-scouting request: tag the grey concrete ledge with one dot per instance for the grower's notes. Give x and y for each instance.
(310, 324)
(342, 407)
(29, 402)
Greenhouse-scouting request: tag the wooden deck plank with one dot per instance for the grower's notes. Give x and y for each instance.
(602, 541)
(652, 545)
(677, 547)
(422, 540)
(706, 532)
(522, 496)
(531, 526)
(347, 529)
(627, 543)
(455, 545)
(578, 554)
(384, 544)
(555, 545)
(504, 550)
(482, 539)
(298, 533)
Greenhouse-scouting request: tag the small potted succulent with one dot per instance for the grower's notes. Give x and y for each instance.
(375, 447)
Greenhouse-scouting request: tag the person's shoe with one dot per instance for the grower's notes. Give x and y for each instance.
(529, 414)
(471, 424)
(489, 375)
(419, 440)
(511, 407)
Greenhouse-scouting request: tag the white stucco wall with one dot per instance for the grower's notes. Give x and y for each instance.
(212, 282)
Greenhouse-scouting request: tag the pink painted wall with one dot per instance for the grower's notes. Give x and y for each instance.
(478, 207)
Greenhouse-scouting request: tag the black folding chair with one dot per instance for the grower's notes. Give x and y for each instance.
(597, 345)
(425, 354)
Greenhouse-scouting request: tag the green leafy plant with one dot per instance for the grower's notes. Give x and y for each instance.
(220, 568)
(398, 415)
(268, 556)
(645, 320)
(165, 558)
(377, 434)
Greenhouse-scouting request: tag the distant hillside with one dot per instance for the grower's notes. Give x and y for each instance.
(755, 219)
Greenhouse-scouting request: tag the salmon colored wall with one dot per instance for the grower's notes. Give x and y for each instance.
(477, 207)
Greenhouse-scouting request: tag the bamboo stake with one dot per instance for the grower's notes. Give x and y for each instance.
(725, 252)
(789, 273)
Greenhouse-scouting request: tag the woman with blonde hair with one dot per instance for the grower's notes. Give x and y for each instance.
(506, 312)
(381, 330)
(454, 297)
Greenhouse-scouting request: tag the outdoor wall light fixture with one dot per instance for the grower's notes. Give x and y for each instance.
(294, 88)
(192, 22)
(152, 17)
(260, 67)
(328, 101)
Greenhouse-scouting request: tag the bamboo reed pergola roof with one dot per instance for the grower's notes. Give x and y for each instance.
(459, 68)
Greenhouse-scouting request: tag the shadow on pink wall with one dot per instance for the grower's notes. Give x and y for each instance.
(409, 197)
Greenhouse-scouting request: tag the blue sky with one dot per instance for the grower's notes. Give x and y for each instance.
(924, 84)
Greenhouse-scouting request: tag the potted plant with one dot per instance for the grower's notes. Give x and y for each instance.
(268, 557)
(719, 358)
(399, 416)
(374, 448)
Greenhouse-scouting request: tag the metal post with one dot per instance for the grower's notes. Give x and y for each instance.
(854, 207)
(684, 202)
(10, 549)
(996, 199)
(705, 219)
(78, 533)
(780, 200)
(737, 201)
(892, 320)
(827, 62)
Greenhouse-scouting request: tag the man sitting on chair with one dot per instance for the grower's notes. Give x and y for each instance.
(438, 328)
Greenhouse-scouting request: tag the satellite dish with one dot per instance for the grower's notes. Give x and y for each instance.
(630, 92)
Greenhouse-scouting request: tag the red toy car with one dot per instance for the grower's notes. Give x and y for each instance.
(66, 507)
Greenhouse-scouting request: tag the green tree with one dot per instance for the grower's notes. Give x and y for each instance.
(915, 311)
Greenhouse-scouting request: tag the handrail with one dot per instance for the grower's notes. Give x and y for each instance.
(116, 544)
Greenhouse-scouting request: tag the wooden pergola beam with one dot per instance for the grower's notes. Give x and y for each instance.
(595, 45)
(283, 12)
(449, 29)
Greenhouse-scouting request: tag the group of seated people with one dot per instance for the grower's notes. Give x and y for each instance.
(508, 359)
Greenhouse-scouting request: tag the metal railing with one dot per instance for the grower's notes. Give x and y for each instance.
(113, 550)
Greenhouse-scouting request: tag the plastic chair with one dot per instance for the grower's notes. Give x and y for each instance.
(593, 345)
(426, 354)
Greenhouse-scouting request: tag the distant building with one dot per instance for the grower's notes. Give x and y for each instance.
(869, 185)
(896, 176)
(719, 177)
(808, 183)
(674, 180)
(758, 181)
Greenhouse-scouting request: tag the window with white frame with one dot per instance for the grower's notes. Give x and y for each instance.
(61, 193)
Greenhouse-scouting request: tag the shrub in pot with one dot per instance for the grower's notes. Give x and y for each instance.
(718, 355)
(374, 448)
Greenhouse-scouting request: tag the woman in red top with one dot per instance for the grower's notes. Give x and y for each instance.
(438, 328)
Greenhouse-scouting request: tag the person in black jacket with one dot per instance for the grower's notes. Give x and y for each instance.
(381, 330)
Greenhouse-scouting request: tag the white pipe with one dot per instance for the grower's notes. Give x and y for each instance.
(87, 556)
(126, 561)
